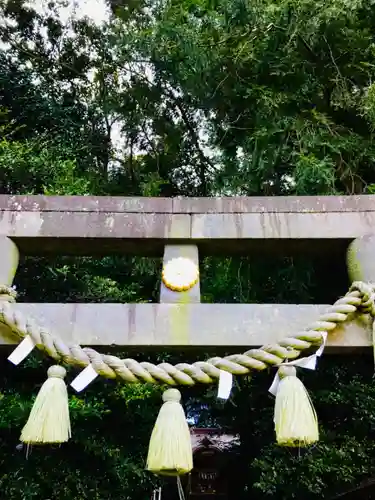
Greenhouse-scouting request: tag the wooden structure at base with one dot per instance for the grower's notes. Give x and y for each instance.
(188, 227)
(213, 453)
(209, 478)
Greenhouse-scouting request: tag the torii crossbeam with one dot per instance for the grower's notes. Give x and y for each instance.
(188, 227)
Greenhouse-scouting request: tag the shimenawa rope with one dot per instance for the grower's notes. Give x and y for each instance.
(360, 297)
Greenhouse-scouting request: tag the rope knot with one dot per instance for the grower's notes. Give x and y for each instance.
(173, 395)
(367, 292)
(56, 371)
(7, 293)
(286, 371)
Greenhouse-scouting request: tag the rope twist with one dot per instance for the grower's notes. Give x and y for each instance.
(360, 297)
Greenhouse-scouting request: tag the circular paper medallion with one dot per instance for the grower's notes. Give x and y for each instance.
(180, 274)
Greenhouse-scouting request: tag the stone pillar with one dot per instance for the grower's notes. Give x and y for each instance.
(361, 259)
(178, 316)
(9, 257)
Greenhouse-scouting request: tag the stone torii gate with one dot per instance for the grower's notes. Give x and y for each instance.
(180, 227)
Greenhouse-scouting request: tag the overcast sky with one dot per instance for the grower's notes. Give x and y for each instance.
(99, 13)
(95, 9)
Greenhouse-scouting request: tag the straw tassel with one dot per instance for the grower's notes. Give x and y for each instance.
(49, 420)
(296, 423)
(170, 452)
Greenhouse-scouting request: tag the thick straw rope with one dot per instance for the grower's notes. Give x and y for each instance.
(360, 297)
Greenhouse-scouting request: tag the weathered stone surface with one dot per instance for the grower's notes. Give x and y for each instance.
(94, 225)
(147, 325)
(238, 204)
(9, 257)
(284, 225)
(360, 259)
(279, 204)
(89, 225)
(115, 204)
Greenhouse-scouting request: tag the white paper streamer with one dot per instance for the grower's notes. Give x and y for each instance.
(84, 378)
(21, 352)
(309, 363)
(225, 384)
(275, 384)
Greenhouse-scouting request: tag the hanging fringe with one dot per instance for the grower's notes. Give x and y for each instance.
(170, 452)
(296, 423)
(49, 420)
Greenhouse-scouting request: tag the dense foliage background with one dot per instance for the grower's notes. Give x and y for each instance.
(187, 97)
